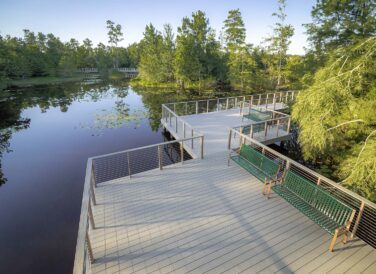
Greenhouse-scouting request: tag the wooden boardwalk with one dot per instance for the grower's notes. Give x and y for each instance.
(207, 217)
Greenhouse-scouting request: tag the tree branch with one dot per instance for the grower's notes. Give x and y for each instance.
(345, 123)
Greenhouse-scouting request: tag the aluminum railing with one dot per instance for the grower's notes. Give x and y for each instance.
(127, 163)
(267, 100)
(364, 224)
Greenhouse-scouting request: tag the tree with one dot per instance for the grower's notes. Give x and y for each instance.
(279, 43)
(115, 35)
(197, 50)
(150, 62)
(340, 23)
(336, 116)
(239, 60)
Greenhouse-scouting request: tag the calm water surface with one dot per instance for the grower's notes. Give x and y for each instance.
(47, 134)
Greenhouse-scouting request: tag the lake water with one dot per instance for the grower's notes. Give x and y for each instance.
(47, 134)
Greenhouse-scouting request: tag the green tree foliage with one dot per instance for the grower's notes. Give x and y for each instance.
(115, 35)
(336, 115)
(340, 23)
(279, 43)
(238, 58)
(157, 55)
(197, 50)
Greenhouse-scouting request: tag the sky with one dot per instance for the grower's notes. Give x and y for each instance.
(82, 19)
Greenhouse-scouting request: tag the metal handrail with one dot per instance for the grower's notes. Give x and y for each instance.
(277, 97)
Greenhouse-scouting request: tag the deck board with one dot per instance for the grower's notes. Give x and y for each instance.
(206, 216)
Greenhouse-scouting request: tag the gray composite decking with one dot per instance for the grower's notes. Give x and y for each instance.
(206, 216)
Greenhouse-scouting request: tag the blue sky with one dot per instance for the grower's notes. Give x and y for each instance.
(86, 19)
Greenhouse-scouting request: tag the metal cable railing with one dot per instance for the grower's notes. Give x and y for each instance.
(266, 100)
(364, 224)
(123, 164)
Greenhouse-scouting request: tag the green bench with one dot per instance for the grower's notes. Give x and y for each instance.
(256, 163)
(317, 204)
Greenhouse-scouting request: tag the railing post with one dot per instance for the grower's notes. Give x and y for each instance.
(318, 181)
(89, 248)
(160, 160)
(207, 106)
(361, 209)
(229, 140)
(226, 103)
(129, 165)
(251, 131)
(93, 194)
(288, 125)
(259, 100)
(196, 107)
(277, 127)
(266, 128)
(176, 124)
(91, 217)
(192, 137)
(267, 100)
(240, 136)
(217, 104)
(169, 116)
(274, 102)
(186, 108)
(184, 130)
(251, 103)
(236, 102)
(202, 146)
(182, 152)
(175, 108)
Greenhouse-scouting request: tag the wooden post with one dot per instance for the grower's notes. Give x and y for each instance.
(186, 108)
(226, 103)
(129, 165)
(175, 108)
(274, 101)
(251, 132)
(160, 160)
(217, 104)
(184, 130)
(318, 181)
(202, 146)
(288, 125)
(358, 218)
(196, 107)
(89, 248)
(259, 100)
(267, 100)
(236, 102)
(207, 106)
(241, 107)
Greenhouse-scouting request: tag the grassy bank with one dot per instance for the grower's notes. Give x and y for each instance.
(34, 81)
(205, 85)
